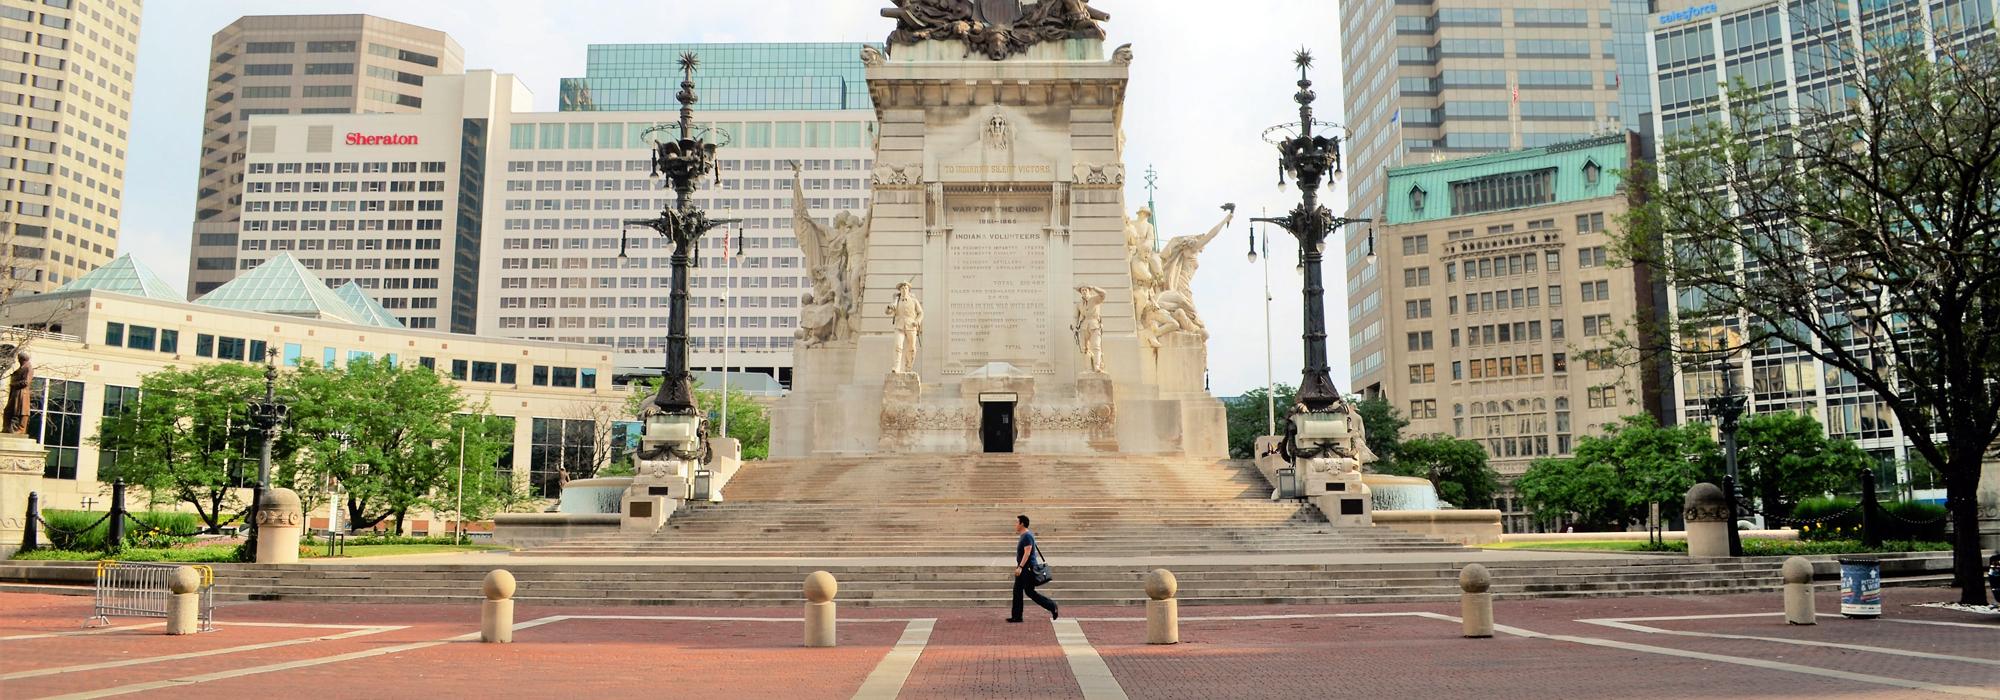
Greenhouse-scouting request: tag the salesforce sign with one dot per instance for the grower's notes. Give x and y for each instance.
(1680, 16)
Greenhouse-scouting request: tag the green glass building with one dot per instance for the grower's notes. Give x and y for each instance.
(733, 77)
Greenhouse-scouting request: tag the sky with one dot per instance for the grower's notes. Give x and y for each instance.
(1208, 79)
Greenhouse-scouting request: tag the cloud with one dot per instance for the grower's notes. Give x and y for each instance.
(1209, 78)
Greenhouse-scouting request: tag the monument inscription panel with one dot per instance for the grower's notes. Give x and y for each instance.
(997, 282)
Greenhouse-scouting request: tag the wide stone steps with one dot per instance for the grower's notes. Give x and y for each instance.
(986, 478)
(962, 586)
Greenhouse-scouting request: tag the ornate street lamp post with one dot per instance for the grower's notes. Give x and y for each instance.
(267, 415)
(1728, 407)
(683, 162)
(1312, 160)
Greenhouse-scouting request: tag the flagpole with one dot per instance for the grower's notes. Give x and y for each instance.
(728, 287)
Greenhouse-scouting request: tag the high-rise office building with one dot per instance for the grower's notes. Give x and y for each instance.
(1500, 292)
(733, 77)
(1435, 81)
(1797, 50)
(67, 68)
(296, 64)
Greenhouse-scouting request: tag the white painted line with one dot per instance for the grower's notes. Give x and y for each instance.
(1757, 663)
(285, 666)
(886, 681)
(1091, 674)
(694, 618)
(1667, 618)
(79, 633)
(1796, 642)
(1941, 623)
(1241, 618)
(309, 626)
(190, 655)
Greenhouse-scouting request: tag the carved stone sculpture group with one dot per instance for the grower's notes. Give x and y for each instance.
(1162, 294)
(994, 28)
(837, 261)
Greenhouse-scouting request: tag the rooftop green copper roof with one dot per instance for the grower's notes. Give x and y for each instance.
(1568, 159)
(124, 276)
(355, 297)
(282, 286)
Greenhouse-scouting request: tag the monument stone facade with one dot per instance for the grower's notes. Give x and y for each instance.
(999, 209)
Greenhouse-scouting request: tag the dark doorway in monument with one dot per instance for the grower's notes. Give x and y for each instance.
(996, 424)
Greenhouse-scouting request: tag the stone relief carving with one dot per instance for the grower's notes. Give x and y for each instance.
(836, 262)
(1089, 326)
(279, 518)
(1123, 55)
(1162, 293)
(1093, 175)
(1095, 417)
(920, 418)
(1345, 454)
(907, 315)
(1706, 513)
(871, 56)
(899, 176)
(22, 465)
(999, 134)
(996, 29)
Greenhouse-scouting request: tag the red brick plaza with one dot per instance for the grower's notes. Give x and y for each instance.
(1719, 646)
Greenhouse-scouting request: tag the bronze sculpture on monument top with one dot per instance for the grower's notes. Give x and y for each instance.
(996, 28)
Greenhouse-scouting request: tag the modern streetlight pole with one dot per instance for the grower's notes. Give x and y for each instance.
(1270, 380)
(1312, 160)
(1728, 407)
(683, 162)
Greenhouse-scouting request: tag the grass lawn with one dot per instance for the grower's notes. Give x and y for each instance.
(1751, 547)
(227, 552)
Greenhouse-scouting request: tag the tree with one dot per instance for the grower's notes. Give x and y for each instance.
(1456, 467)
(488, 478)
(1859, 230)
(749, 421)
(188, 437)
(386, 432)
(1612, 479)
(1786, 457)
(1249, 419)
(1385, 428)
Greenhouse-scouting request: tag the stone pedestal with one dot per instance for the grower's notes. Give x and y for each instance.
(1800, 608)
(820, 589)
(1163, 612)
(496, 613)
(280, 522)
(1342, 497)
(21, 462)
(184, 601)
(1707, 513)
(1475, 601)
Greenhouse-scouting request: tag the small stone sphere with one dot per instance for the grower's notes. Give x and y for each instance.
(1706, 494)
(184, 580)
(499, 585)
(1161, 584)
(1798, 570)
(820, 587)
(1475, 579)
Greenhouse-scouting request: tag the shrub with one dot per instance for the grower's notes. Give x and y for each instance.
(1912, 520)
(81, 530)
(75, 529)
(1826, 518)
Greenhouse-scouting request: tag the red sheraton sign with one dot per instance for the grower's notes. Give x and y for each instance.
(381, 140)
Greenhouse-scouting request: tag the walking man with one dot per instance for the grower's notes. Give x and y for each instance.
(1028, 571)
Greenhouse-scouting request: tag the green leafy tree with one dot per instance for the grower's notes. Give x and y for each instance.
(1868, 226)
(1385, 428)
(385, 432)
(1612, 479)
(1457, 467)
(187, 438)
(488, 484)
(1248, 417)
(1786, 457)
(749, 420)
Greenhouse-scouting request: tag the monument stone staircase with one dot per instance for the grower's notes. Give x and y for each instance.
(964, 505)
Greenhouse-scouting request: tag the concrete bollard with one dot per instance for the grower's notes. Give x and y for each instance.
(496, 614)
(184, 601)
(820, 589)
(1800, 608)
(280, 521)
(1475, 603)
(1163, 612)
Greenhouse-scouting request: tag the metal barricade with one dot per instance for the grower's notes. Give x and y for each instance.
(138, 589)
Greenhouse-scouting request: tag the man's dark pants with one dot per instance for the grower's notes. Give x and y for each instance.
(1024, 584)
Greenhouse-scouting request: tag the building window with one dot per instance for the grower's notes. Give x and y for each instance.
(114, 335)
(1417, 199)
(57, 423)
(204, 345)
(117, 399)
(560, 450)
(460, 369)
(1503, 191)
